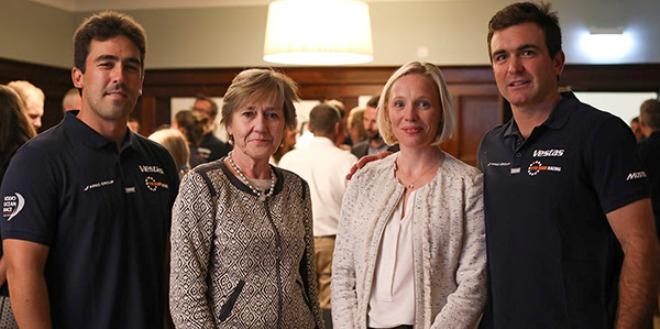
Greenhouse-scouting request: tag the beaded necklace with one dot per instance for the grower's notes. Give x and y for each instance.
(262, 195)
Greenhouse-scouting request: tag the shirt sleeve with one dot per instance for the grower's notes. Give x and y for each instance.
(612, 160)
(30, 198)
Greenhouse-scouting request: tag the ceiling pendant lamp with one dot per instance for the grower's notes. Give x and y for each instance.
(318, 32)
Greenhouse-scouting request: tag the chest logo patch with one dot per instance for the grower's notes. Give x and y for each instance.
(548, 153)
(151, 169)
(12, 205)
(153, 185)
(498, 164)
(99, 184)
(536, 167)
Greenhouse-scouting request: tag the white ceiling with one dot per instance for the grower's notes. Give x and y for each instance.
(93, 5)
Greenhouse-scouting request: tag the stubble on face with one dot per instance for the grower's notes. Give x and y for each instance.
(370, 125)
(525, 73)
(112, 80)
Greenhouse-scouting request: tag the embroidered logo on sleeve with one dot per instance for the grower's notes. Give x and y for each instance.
(636, 175)
(12, 205)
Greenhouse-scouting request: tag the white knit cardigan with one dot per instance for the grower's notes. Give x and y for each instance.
(448, 245)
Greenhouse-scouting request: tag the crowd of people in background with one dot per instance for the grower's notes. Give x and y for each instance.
(104, 228)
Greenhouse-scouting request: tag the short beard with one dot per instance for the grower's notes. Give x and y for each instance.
(375, 137)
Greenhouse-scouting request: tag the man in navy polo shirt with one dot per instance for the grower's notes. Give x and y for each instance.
(86, 205)
(570, 235)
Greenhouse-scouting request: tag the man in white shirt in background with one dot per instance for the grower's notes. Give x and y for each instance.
(324, 166)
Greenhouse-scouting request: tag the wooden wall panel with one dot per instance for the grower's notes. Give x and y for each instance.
(477, 109)
(478, 114)
(476, 101)
(52, 80)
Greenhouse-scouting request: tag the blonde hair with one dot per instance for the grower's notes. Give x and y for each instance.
(175, 143)
(355, 122)
(27, 90)
(447, 125)
(15, 128)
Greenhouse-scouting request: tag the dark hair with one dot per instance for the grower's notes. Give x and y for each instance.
(214, 105)
(373, 101)
(103, 26)
(192, 124)
(528, 12)
(15, 129)
(649, 113)
(323, 118)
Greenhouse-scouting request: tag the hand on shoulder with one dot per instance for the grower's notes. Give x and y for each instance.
(364, 160)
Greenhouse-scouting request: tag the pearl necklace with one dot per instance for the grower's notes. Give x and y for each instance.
(262, 195)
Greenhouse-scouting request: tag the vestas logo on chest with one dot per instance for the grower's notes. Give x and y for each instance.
(12, 205)
(548, 153)
(151, 169)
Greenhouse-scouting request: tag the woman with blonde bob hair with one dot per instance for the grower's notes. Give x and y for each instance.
(242, 242)
(411, 234)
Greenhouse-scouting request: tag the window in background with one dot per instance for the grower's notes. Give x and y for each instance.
(625, 105)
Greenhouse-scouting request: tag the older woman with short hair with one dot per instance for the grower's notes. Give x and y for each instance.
(410, 247)
(242, 243)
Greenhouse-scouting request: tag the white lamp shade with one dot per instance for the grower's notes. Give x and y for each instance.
(318, 32)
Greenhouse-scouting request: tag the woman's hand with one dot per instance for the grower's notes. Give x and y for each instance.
(364, 160)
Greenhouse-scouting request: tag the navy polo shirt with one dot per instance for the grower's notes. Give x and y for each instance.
(105, 216)
(553, 260)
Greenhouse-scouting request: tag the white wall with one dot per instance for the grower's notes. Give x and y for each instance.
(32, 32)
(454, 32)
(625, 105)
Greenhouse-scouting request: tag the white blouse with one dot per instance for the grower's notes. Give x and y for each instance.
(392, 300)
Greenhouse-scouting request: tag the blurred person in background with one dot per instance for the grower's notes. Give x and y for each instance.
(209, 142)
(288, 143)
(192, 125)
(15, 130)
(33, 98)
(374, 143)
(649, 152)
(71, 100)
(356, 130)
(134, 125)
(636, 129)
(175, 143)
